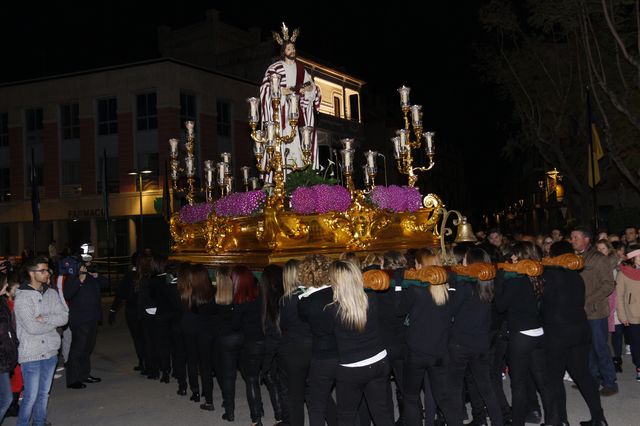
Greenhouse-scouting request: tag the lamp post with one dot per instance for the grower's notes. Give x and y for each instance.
(138, 174)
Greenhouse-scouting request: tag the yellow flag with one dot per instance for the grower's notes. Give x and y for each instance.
(597, 155)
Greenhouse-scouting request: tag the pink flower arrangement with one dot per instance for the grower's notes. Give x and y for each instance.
(396, 198)
(240, 203)
(195, 213)
(320, 199)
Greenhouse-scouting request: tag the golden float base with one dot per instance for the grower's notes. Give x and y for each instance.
(276, 235)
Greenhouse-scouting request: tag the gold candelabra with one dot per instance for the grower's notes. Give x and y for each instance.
(190, 166)
(403, 143)
(270, 142)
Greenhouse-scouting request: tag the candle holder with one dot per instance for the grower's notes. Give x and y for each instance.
(370, 168)
(209, 171)
(403, 143)
(270, 141)
(190, 165)
(245, 177)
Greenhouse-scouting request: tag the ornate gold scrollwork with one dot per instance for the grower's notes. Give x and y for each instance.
(181, 233)
(361, 223)
(215, 231)
(276, 227)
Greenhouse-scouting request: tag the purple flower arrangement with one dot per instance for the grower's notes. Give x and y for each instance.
(396, 198)
(195, 213)
(320, 199)
(240, 203)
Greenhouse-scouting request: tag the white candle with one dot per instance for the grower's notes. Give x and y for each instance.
(416, 115)
(190, 166)
(403, 133)
(271, 131)
(307, 131)
(396, 147)
(293, 99)
(404, 96)
(371, 158)
(173, 147)
(254, 182)
(221, 170)
(226, 157)
(245, 174)
(189, 125)
(253, 109)
(208, 168)
(258, 148)
(366, 178)
(347, 143)
(275, 85)
(429, 138)
(347, 160)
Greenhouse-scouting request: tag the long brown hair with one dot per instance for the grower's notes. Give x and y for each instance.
(224, 286)
(527, 250)
(194, 285)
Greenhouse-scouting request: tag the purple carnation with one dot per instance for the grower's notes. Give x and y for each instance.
(240, 203)
(396, 198)
(195, 213)
(320, 199)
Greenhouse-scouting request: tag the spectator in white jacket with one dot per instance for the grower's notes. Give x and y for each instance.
(38, 312)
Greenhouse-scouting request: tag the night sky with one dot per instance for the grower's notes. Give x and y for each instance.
(385, 46)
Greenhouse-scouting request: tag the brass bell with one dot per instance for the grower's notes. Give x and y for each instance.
(465, 232)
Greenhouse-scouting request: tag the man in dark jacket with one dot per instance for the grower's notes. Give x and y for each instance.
(85, 312)
(598, 282)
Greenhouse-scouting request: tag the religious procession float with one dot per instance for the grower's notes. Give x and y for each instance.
(282, 218)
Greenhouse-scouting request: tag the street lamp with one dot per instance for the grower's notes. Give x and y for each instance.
(138, 174)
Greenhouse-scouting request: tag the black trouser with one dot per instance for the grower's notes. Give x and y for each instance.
(320, 404)
(634, 332)
(526, 357)
(151, 344)
(498, 353)
(226, 359)
(575, 360)
(186, 355)
(460, 358)
(274, 377)
(204, 347)
(251, 358)
(135, 329)
(163, 337)
(297, 359)
(83, 340)
(372, 381)
(436, 368)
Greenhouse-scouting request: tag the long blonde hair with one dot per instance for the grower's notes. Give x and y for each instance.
(290, 276)
(224, 286)
(348, 294)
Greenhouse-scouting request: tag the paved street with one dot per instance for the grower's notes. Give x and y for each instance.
(126, 398)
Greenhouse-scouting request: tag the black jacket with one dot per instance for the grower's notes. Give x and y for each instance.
(85, 304)
(8, 339)
(293, 329)
(354, 346)
(311, 309)
(471, 318)
(565, 321)
(429, 324)
(516, 297)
